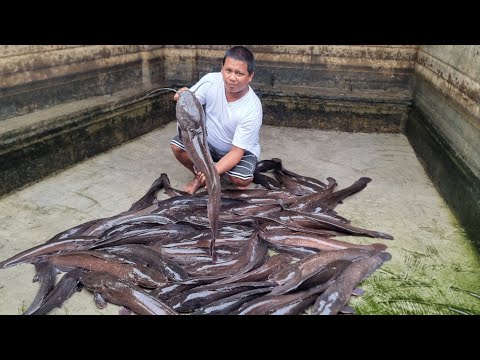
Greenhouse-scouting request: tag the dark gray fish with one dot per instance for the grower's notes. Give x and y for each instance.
(266, 181)
(330, 202)
(327, 201)
(308, 219)
(118, 267)
(309, 223)
(122, 293)
(336, 296)
(46, 275)
(266, 165)
(80, 230)
(126, 230)
(153, 259)
(100, 302)
(76, 230)
(203, 242)
(236, 238)
(160, 234)
(206, 294)
(294, 184)
(191, 122)
(315, 184)
(308, 202)
(34, 253)
(327, 273)
(324, 275)
(66, 287)
(169, 290)
(313, 241)
(153, 219)
(185, 256)
(293, 304)
(102, 225)
(252, 254)
(272, 226)
(247, 209)
(198, 200)
(271, 265)
(288, 304)
(169, 190)
(149, 198)
(298, 252)
(259, 196)
(292, 276)
(231, 303)
(125, 311)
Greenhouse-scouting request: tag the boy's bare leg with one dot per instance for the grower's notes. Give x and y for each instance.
(181, 155)
(192, 186)
(239, 183)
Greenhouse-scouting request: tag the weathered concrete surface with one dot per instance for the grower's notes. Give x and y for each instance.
(314, 66)
(328, 112)
(444, 126)
(36, 77)
(333, 87)
(448, 94)
(35, 145)
(371, 81)
(434, 269)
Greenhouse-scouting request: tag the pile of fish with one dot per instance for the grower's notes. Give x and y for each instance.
(275, 247)
(209, 253)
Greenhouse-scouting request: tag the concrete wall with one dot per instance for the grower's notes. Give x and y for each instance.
(444, 126)
(36, 77)
(349, 88)
(60, 104)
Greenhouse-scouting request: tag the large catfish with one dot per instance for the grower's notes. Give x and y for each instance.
(191, 123)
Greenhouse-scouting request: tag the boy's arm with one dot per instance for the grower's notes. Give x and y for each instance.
(230, 159)
(227, 162)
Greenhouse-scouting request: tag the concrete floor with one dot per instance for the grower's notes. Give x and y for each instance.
(435, 268)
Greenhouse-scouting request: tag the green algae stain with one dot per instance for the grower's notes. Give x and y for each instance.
(435, 269)
(23, 308)
(414, 283)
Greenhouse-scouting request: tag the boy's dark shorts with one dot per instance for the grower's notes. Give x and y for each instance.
(243, 170)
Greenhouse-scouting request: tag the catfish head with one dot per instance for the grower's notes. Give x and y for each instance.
(190, 114)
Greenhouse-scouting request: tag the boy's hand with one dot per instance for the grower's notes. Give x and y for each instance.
(179, 91)
(201, 177)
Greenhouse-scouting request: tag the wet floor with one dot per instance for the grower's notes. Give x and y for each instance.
(435, 268)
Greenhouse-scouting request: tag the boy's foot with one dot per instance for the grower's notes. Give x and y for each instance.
(192, 186)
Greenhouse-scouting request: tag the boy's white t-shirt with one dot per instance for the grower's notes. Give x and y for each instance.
(236, 123)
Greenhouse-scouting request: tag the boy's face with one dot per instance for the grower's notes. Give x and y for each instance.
(235, 75)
